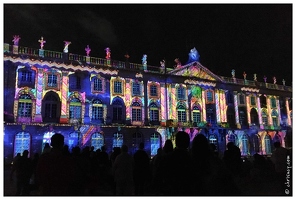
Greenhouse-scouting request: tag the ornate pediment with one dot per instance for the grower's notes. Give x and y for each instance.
(195, 69)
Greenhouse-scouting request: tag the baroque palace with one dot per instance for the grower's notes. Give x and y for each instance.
(101, 101)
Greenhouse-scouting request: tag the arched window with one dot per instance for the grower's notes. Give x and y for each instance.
(51, 107)
(22, 141)
(117, 139)
(245, 145)
(75, 109)
(97, 111)
(181, 113)
(274, 116)
(47, 138)
(267, 141)
(154, 112)
(97, 140)
(155, 141)
(25, 106)
(196, 116)
(136, 111)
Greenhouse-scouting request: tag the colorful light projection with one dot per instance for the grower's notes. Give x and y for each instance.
(217, 106)
(248, 109)
(236, 110)
(288, 112)
(128, 95)
(162, 103)
(204, 113)
(259, 112)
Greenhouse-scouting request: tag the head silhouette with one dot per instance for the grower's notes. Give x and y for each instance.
(124, 148)
(57, 141)
(182, 140)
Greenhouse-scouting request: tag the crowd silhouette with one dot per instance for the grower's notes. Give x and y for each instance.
(194, 169)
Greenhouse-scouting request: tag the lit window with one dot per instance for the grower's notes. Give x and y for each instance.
(22, 142)
(52, 80)
(210, 97)
(264, 118)
(97, 140)
(274, 117)
(75, 109)
(181, 93)
(98, 86)
(97, 110)
(25, 106)
(118, 87)
(245, 145)
(155, 142)
(154, 112)
(267, 142)
(273, 103)
(153, 90)
(26, 76)
(196, 114)
(117, 139)
(181, 113)
(136, 89)
(241, 99)
(117, 109)
(136, 112)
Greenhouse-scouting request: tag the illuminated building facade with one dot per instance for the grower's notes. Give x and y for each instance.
(100, 101)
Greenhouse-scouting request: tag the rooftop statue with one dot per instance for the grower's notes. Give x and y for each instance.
(193, 55)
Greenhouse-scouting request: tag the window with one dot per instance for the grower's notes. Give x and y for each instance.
(231, 137)
(74, 82)
(97, 140)
(153, 90)
(181, 113)
(51, 105)
(136, 112)
(196, 114)
(181, 93)
(229, 98)
(241, 99)
(26, 76)
(256, 143)
(245, 145)
(97, 110)
(253, 101)
(118, 87)
(210, 98)
(75, 109)
(154, 112)
(267, 141)
(117, 110)
(98, 86)
(52, 80)
(117, 139)
(155, 142)
(25, 106)
(264, 118)
(136, 89)
(73, 139)
(273, 102)
(47, 138)
(274, 117)
(22, 141)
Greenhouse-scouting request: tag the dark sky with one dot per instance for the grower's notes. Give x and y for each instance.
(255, 38)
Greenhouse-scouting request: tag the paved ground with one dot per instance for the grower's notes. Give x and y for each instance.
(249, 187)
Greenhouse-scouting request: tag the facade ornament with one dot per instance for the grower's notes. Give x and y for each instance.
(274, 80)
(284, 82)
(255, 77)
(265, 79)
(245, 75)
(233, 73)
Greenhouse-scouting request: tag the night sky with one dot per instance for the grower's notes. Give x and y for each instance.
(255, 38)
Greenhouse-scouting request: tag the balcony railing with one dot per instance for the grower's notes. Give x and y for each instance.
(255, 83)
(126, 65)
